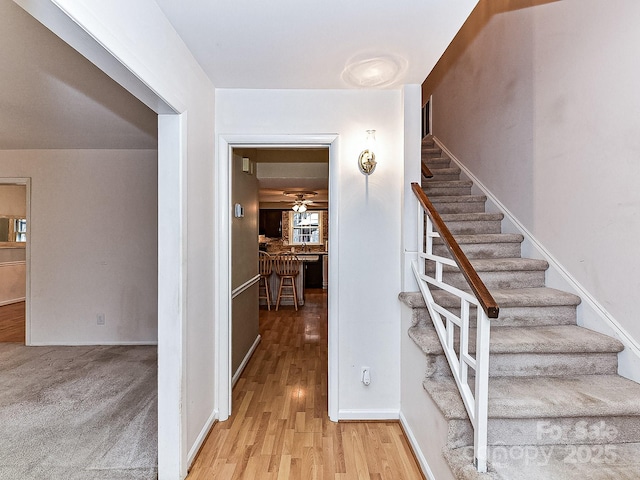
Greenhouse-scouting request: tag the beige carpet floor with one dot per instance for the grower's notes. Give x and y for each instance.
(78, 413)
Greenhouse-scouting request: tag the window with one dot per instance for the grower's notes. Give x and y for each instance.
(20, 228)
(306, 228)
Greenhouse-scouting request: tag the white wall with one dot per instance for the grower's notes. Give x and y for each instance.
(137, 46)
(542, 105)
(367, 243)
(13, 201)
(93, 243)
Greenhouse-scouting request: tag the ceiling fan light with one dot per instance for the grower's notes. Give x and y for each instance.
(302, 208)
(296, 207)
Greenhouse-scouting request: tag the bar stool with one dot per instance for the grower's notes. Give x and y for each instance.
(265, 265)
(287, 268)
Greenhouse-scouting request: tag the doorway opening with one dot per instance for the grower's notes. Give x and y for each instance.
(14, 259)
(280, 206)
(278, 146)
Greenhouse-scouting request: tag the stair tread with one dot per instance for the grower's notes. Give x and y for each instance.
(516, 264)
(485, 238)
(459, 198)
(432, 161)
(510, 297)
(472, 217)
(620, 461)
(556, 339)
(448, 183)
(544, 397)
(445, 171)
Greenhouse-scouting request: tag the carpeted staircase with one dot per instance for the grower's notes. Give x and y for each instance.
(557, 408)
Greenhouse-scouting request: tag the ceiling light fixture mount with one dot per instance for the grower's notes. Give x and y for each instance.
(370, 70)
(301, 199)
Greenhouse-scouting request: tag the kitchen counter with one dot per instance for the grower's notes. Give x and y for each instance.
(304, 257)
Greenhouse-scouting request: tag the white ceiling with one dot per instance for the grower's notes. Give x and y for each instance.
(303, 44)
(53, 98)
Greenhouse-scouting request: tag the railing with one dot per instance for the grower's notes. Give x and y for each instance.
(425, 171)
(430, 226)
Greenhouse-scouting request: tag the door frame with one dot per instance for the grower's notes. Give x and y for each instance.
(26, 181)
(222, 296)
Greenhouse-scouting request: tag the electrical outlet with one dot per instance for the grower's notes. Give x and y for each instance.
(100, 319)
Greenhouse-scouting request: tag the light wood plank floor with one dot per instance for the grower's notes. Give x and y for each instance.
(280, 427)
(12, 323)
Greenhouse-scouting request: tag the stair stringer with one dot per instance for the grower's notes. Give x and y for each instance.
(430, 434)
(590, 314)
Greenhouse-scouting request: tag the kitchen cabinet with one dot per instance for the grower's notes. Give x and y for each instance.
(313, 273)
(271, 223)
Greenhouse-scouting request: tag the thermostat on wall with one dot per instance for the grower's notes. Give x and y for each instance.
(239, 211)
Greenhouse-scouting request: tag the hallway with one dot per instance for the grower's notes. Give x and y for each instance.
(280, 428)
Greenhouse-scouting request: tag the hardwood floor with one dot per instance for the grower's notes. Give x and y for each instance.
(12, 322)
(280, 427)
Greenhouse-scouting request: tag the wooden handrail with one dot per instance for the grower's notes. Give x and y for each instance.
(425, 171)
(478, 287)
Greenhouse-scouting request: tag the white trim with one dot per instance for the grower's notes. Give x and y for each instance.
(246, 285)
(370, 414)
(172, 295)
(598, 318)
(430, 115)
(225, 144)
(415, 447)
(245, 360)
(333, 287)
(26, 181)
(222, 279)
(13, 300)
(202, 436)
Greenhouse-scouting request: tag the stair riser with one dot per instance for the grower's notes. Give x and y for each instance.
(514, 316)
(521, 365)
(445, 190)
(483, 250)
(459, 207)
(437, 162)
(445, 177)
(474, 227)
(508, 279)
(431, 151)
(552, 431)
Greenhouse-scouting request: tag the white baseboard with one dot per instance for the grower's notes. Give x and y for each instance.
(193, 452)
(13, 300)
(365, 414)
(245, 360)
(592, 314)
(413, 442)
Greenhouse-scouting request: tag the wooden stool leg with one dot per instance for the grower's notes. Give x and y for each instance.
(279, 293)
(266, 290)
(295, 294)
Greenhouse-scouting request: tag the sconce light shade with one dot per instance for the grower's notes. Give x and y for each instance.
(367, 159)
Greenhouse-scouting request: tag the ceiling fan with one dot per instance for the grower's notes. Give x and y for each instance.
(301, 199)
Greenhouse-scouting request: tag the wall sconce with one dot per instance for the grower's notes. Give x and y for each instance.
(367, 160)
